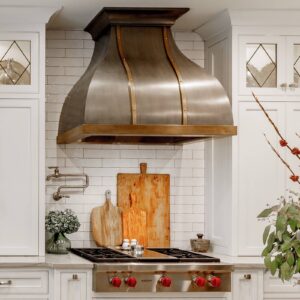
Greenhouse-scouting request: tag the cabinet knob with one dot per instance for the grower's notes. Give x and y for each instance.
(8, 282)
(75, 277)
(292, 86)
(247, 276)
(283, 86)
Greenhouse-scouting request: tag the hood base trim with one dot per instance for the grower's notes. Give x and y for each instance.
(143, 134)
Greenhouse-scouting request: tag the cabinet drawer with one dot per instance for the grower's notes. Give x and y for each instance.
(273, 284)
(25, 283)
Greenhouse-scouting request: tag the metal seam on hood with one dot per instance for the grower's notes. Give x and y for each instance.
(126, 66)
(178, 76)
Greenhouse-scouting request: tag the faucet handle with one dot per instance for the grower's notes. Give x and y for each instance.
(57, 196)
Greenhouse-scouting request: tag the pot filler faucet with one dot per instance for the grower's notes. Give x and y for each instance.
(56, 174)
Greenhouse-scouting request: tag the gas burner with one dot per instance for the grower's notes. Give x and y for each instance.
(186, 256)
(103, 254)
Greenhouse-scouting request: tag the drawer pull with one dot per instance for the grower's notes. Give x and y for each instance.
(75, 277)
(8, 282)
(247, 277)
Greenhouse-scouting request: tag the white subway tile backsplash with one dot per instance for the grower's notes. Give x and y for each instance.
(68, 53)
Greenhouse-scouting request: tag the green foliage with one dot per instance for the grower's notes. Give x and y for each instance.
(282, 246)
(65, 221)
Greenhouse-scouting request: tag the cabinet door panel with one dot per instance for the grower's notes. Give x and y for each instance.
(73, 288)
(247, 289)
(293, 128)
(261, 175)
(293, 65)
(261, 65)
(18, 177)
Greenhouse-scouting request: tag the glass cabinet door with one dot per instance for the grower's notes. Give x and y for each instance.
(261, 65)
(15, 62)
(19, 63)
(293, 65)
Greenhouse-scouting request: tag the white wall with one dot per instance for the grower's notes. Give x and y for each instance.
(68, 54)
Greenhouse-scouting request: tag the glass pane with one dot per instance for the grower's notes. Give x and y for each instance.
(297, 64)
(261, 65)
(15, 62)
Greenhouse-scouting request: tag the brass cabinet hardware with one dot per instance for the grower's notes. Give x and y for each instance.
(75, 277)
(247, 276)
(8, 282)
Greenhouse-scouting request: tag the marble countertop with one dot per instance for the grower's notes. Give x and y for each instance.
(63, 261)
(72, 261)
(240, 262)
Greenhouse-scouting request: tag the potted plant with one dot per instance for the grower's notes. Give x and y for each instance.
(60, 223)
(281, 236)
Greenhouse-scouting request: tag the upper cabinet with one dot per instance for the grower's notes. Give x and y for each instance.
(269, 65)
(22, 133)
(19, 61)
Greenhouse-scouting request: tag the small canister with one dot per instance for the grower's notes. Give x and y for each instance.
(200, 244)
(125, 244)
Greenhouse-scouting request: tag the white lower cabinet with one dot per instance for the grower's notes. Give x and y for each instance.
(72, 285)
(247, 285)
(274, 288)
(24, 284)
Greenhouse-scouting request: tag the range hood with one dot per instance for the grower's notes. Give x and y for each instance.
(140, 88)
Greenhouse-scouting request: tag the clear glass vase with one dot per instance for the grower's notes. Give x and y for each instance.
(58, 244)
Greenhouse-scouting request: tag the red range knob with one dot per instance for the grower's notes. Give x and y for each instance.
(215, 281)
(116, 281)
(165, 281)
(131, 281)
(199, 281)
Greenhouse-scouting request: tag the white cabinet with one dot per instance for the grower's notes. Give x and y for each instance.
(261, 175)
(247, 285)
(22, 133)
(262, 65)
(274, 288)
(269, 64)
(19, 165)
(243, 174)
(72, 285)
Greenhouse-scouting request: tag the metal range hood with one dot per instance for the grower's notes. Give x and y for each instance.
(139, 87)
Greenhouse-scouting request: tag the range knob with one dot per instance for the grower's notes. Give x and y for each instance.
(131, 281)
(199, 281)
(116, 281)
(214, 281)
(165, 281)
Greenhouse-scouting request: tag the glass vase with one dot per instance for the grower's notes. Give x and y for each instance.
(58, 244)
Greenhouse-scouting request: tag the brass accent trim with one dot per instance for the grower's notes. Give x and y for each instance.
(178, 75)
(131, 87)
(188, 132)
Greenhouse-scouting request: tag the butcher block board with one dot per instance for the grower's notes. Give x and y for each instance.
(152, 193)
(106, 222)
(134, 222)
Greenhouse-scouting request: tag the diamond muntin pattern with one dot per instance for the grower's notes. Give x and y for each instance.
(14, 66)
(261, 67)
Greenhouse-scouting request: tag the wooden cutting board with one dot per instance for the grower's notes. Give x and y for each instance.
(106, 222)
(153, 196)
(135, 222)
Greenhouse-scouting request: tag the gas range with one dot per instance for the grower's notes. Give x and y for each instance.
(156, 270)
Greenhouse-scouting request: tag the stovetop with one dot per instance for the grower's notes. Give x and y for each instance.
(104, 254)
(185, 256)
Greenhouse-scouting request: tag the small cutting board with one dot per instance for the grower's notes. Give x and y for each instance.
(153, 196)
(135, 222)
(107, 223)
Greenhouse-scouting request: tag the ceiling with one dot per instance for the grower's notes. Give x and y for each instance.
(76, 14)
